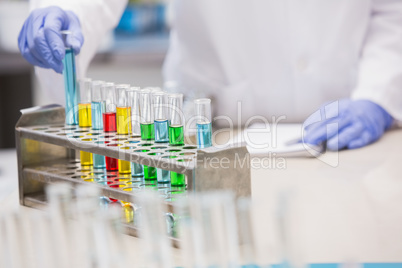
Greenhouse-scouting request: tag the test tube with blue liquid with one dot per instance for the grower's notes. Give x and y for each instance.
(98, 108)
(161, 129)
(133, 95)
(70, 82)
(204, 125)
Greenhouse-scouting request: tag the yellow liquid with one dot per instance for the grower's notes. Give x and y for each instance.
(124, 166)
(84, 115)
(123, 120)
(85, 120)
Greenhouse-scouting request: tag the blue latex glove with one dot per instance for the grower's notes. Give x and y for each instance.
(40, 41)
(347, 124)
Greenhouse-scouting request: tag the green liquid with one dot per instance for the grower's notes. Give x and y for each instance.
(147, 132)
(150, 173)
(177, 179)
(176, 135)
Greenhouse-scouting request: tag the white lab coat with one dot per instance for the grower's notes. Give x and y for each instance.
(278, 57)
(288, 57)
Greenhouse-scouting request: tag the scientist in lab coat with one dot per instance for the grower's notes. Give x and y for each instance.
(337, 63)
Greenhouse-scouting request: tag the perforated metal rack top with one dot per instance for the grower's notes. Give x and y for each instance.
(126, 147)
(46, 153)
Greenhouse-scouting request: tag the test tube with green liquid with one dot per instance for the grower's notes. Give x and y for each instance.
(147, 127)
(123, 113)
(176, 132)
(133, 95)
(70, 82)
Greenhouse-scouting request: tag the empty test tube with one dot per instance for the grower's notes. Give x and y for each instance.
(204, 126)
(133, 95)
(109, 119)
(84, 115)
(98, 108)
(147, 127)
(123, 114)
(70, 82)
(176, 131)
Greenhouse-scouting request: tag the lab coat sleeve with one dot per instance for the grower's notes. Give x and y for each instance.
(380, 67)
(97, 18)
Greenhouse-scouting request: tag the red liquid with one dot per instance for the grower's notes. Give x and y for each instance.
(109, 125)
(109, 122)
(111, 164)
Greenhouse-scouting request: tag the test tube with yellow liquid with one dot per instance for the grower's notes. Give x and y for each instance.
(84, 115)
(123, 113)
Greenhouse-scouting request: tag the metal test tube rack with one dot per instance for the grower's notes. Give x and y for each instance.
(46, 154)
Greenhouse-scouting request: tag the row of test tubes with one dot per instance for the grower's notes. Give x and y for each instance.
(149, 113)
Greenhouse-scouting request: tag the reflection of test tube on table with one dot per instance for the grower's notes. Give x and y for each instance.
(133, 95)
(84, 115)
(123, 113)
(70, 82)
(109, 119)
(147, 127)
(176, 132)
(161, 128)
(204, 126)
(98, 108)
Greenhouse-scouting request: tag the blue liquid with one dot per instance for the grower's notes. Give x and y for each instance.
(98, 108)
(163, 176)
(98, 161)
(137, 170)
(204, 135)
(71, 88)
(161, 130)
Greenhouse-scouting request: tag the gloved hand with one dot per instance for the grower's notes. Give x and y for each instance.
(40, 41)
(347, 124)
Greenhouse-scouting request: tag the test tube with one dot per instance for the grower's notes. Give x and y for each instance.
(109, 118)
(84, 115)
(176, 129)
(147, 116)
(123, 113)
(161, 128)
(98, 108)
(70, 83)
(176, 132)
(133, 95)
(161, 119)
(204, 126)
(147, 127)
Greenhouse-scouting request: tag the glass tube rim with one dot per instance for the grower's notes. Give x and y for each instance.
(202, 101)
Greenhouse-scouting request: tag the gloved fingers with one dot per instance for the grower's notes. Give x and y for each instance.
(345, 136)
(43, 46)
(326, 130)
(363, 140)
(326, 112)
(76, 39)
(54, 23)
(33, 26)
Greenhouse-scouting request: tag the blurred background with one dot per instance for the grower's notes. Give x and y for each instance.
(132, 53)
